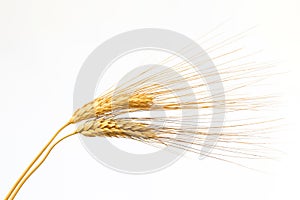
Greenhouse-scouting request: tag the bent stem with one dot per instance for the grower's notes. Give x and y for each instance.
(35, 159)
(38, 165)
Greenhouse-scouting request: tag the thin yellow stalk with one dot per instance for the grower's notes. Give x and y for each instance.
(34, 160)
(15, 192)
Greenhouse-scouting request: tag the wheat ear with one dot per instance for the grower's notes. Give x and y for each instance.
(108, 103)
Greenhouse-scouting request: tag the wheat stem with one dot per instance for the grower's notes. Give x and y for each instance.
(34, 160)
(38, 165)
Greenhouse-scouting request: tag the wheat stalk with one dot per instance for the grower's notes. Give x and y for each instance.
(102, 117)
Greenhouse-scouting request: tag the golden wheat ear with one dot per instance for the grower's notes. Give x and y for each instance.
(106, 104)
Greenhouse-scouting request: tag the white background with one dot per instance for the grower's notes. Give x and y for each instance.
(42, 47)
